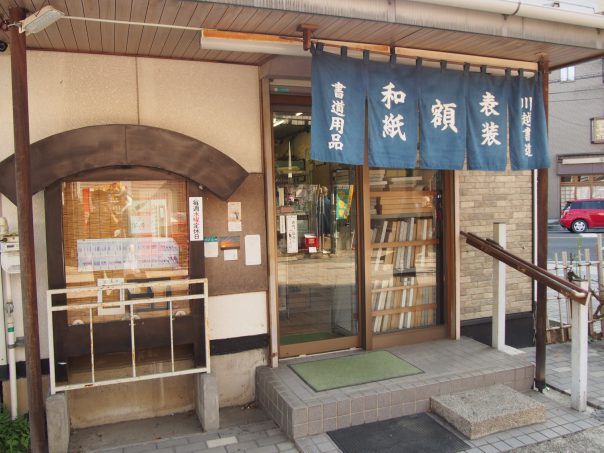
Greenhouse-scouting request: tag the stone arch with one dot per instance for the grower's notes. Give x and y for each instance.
(123, 145)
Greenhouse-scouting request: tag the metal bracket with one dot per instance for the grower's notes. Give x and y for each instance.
(307, 31)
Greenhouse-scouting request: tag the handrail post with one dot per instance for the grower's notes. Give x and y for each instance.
(498, 333)
(578, 392)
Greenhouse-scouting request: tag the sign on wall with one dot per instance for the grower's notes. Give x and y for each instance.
(195, 219)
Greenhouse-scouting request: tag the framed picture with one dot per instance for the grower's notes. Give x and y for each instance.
(597, 130)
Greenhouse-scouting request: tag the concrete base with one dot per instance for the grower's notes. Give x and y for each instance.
(57, 423)
(483, 411)
(206, 401)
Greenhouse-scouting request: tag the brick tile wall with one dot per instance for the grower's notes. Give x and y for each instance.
(485, 198)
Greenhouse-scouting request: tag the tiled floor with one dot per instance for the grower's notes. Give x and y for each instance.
(264, 436)
(259, 437)
(558, 369)
(561, 420)
(448, 366)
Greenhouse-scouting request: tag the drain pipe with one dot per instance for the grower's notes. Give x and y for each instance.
(11, 345)
(518, 8)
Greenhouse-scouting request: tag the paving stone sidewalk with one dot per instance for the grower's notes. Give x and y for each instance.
(266, 437)
(261, 437)
(558, 369)
(561, 421)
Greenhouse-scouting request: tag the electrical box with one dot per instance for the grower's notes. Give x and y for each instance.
(9, 258)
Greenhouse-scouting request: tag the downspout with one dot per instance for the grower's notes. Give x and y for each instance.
(517, 8)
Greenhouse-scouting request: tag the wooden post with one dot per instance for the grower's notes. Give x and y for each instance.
(578, 389)
(541, 308)
(498, 334)
(26, 234)
(600, 276)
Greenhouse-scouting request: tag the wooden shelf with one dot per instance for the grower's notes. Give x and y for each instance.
(397, 310)
(401, 193)
(398, 288)
(389, 245)
(417, 212)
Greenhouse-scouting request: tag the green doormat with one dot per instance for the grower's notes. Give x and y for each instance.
(350, 370)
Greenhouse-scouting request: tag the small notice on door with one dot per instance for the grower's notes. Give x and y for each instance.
(234, 216)
(210, 247)
(252, 250)
(230, 255)
(292, 233)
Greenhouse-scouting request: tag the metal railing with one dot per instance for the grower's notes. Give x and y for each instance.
(578, 265)
(130, 304)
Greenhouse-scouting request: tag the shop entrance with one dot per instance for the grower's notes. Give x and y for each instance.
(362, 255)
(317, 253)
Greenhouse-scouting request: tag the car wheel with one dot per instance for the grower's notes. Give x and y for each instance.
(579, 226)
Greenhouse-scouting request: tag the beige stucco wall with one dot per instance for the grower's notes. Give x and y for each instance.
(212, 102)
(485, 198)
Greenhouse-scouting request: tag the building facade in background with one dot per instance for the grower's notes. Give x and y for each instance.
(576, 134)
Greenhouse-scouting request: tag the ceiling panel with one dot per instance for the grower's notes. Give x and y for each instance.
(91, 9)
(151, 41)
(123, 11)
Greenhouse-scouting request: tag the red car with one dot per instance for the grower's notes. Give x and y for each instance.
(579, 215)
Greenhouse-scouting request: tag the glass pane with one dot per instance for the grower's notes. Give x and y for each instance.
(597, 191)
(405, 243)
(316, 233)
(583, 192)
(125, 231)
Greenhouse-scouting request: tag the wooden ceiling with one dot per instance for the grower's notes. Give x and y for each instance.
(79, 36)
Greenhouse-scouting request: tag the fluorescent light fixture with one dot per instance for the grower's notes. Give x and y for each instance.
(278, 123)
(251, 42)
(39, 20)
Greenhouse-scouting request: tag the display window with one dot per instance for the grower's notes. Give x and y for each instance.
(125, 232)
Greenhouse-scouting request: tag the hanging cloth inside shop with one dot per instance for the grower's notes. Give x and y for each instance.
(529, 148)
(442, 109)
(338, 113)
(487, 121)
(393, 121)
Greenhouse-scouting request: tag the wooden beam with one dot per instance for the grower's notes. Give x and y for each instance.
(541, 307)
(26, 235)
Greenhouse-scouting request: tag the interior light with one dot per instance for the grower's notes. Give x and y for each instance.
(250, 42)
(39, 20)
(278, 123)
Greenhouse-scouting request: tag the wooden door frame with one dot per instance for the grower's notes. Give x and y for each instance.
(365, 337)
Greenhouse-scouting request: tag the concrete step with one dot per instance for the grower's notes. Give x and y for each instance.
(482, 411)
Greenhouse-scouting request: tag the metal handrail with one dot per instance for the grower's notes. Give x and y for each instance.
(490, 247)
(123, 303)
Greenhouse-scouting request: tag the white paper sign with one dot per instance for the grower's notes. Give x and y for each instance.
(110, 310)
(312, 250)
(253, 256)
(292, 233)
(230, 255)
(281, 224)
(234, 216)
(210, 248)
(127, 253)
(195, 219)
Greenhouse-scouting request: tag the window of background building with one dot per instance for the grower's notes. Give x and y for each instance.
(578, 187)
(567, 74)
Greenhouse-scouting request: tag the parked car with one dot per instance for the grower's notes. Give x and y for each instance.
(579, 215)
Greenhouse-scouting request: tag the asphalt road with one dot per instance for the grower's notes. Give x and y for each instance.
(560, 240)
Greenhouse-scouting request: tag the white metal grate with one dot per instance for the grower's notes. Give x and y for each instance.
(126, 304)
